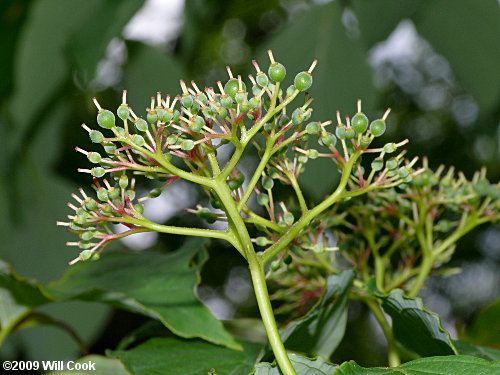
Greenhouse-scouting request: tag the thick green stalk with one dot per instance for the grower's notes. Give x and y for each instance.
(258, 279)
(393, 356)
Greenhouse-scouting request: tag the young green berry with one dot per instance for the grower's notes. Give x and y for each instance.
(138, 140)
(303, 81)
(87, 235)
(377, 164)
(161, 113)
(254, 102)
(202, 98)
(289, 218)
(389, 148)
(232, 86)
(262, 79)
(312, 153)
(226, 101)
(391, 164)
(155, 193)
(288, 259)
(340, 131)
(165, 115)
(90, 204)
(187, 145)
(263, 199)
(365, 141)
(177, 116)
(207, 215)
(106, 119)
(267, 183)
(403, 172)
(222, 112)
(110, 148)
(359, 122)
(277, 72)
(350, 133)
(240, 96)
(197, 124)
(313, 128)
(328, 139)
(290, 90)
(377, 127)
(152, 116)
(139, 208)
(187, 100)
(123, 112)
(120, 132)
(172, 139)
(102, 194)
(96, 136)
(261, 241)
(141, 125)
(130, 194)
(114, 193)
(123, 181)
(94, 157)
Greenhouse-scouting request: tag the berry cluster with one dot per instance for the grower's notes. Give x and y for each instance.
(180, 136)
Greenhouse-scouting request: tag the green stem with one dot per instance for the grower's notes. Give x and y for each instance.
(298, 192)
(425, 270)
(289, 236)
(258, 278)
(393, 356)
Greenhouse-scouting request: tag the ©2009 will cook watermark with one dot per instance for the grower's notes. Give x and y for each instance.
(48, 365)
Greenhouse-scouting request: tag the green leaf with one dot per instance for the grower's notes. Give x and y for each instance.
(103, 366)
(88, 44)
(340, 79)
(320, 332)
(466, 348)
(18, 298)
(377, 29)
(186, 357)
(485, 328)
(302, 365)
(161, 286)
(415, 327)
(446, 365)
(465, 33)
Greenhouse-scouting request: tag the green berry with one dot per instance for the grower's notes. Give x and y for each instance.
(312, 153)
(232, 86)
(155, 193)
(177, 116)
(139, 208)
(106, 119)
(86, 255)
(389, 148)
(240, 96)
(263, 199)
(303, 81)
(87, 235)
(313, 128)
(359, 122)
(94, 157)
(202, 98)
(114, 193)
(403, 172)
(391, 164)
(138, 140)
(102, 194)
(123, 112)
(254, 102)
(165, 115)
(130, 194)
(141, 124)
(207, 215)
(98, 172)
(377, 164)
(365, 141)
(289, 218)
(350, 133)
(109, 148)
(288, 259)
(262, 79)
(90, 204)
(340, 131)
(152, 116)
(226, 101)
(261, 241)
(277, 72)
(267, 183)
(123, 182)
(187, 145)
(187, 100)
(290, 90)
(96, 136)
(328, 139)
(377, 127)
(172, 139)
(222, 112)
(197, 124)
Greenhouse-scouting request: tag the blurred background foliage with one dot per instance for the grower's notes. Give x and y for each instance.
(435, 63)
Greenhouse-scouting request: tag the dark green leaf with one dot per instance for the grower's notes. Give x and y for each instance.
(302, 365)
(465, 32)
(103, 366)
(415, 327)
(186, 357)
(320, 332)
(157, 285)
(485, 328)
(18, 298)
(446, 365)
(466, 348)
(340, 79)
(88, 44)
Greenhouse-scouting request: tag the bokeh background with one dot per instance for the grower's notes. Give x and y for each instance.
(435, 63)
